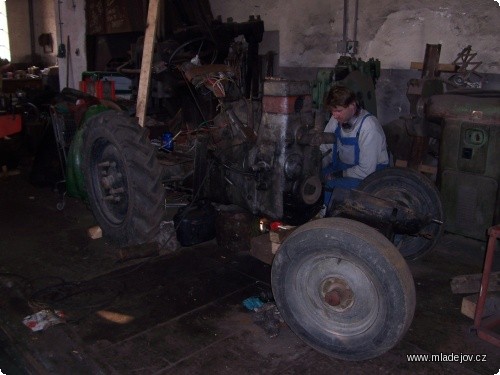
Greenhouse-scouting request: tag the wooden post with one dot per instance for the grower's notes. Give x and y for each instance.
(147, 59)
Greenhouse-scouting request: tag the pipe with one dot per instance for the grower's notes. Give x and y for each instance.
(344, 29)
(356, 6)
(32, 30)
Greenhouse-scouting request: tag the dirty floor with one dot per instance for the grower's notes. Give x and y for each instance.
(182, 312)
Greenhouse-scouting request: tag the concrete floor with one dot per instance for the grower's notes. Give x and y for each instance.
(182, 313)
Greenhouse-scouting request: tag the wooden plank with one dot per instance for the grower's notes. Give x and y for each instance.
(472, 283)
(421, 168)
(450, 68)
(279, 235)
(94, 232)
(427, 169)
(491, 306)
(147, 60)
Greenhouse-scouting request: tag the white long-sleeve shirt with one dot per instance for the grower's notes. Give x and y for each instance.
(372, 145)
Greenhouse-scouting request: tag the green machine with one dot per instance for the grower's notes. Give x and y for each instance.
(360, 76)
(469, 159)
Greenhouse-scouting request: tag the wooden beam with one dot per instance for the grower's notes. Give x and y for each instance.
(147, 60)
(491, 307)
(450, 68)
(421, 168)
(472, 283)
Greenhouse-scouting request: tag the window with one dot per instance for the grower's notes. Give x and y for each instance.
(4, 33)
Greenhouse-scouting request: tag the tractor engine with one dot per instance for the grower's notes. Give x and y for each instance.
(274, 172)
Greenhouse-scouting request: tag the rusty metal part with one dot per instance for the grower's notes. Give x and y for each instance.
(314, 138)
(276, 175)
(337, 293)
(286, 104)
(419, 147)
(247, 132)
(468, 105)
(378, 212)
(234, 228)
(431, 61)
(310, 189)
(194, 71)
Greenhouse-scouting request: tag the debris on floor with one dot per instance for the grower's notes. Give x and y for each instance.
(167, 238)
(253, 303)
(268, 318)
(44, 319)
(265, 315)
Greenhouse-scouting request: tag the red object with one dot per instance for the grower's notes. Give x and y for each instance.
(100, 89)
(10, 124)
(275, 225)
(484, 327)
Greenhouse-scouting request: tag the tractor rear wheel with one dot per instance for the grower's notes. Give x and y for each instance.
(343, 288)
(122, 178)
(415, 191)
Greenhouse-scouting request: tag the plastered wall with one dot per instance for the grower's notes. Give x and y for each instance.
(20, 36)
(394, 31)
(72, 16)
(304, 34)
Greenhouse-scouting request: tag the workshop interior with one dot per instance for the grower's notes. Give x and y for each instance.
(166, 144)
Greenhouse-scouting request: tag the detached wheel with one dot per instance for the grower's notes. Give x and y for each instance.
(343, 288)
(415, 191)
(122, 178)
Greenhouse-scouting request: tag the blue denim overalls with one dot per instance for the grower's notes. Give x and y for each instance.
(338, 166)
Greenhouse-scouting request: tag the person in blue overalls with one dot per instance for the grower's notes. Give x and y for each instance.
(360, 147)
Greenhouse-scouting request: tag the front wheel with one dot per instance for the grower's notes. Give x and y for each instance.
(122, 178)
(343, 288)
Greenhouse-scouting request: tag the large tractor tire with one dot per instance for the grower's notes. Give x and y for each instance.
(122, 178)
(343, 288)
(415, 191)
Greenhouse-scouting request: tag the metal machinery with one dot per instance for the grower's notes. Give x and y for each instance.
(277, 172)
(169, 92)
(341, 283)
(469, 159)
(456, 129)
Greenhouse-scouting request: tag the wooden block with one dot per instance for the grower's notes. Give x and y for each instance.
(427, 169)
(491, 306)
(421, 168)
(401, 163)
(262, 248)
(472, 283)
(279, 235)
(94, 232)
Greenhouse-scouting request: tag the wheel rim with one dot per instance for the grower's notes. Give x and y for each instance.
(338, 295)
(109, 181)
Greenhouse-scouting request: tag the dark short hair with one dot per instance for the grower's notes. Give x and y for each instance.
(339, 96)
